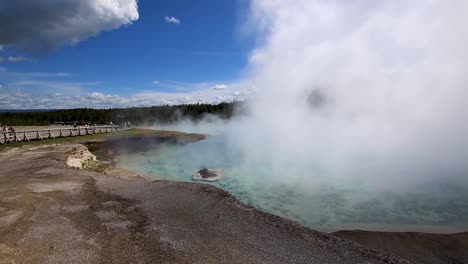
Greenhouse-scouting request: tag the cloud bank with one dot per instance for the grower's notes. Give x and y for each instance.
(40, 93)
(49, 24)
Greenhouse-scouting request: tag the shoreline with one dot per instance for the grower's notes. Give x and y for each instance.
(394, 228)
(399, 228)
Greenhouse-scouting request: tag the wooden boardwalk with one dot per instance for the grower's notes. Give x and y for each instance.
(29, 135)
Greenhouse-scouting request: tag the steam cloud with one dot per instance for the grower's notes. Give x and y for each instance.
(48, 24)
(374, 89)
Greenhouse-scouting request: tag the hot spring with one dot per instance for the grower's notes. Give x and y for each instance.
(326, 202)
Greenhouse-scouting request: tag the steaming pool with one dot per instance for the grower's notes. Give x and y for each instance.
(326, 203)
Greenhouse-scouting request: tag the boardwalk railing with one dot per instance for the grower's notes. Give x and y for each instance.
(28, 135)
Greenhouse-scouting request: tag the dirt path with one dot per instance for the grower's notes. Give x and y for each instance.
(51, 213)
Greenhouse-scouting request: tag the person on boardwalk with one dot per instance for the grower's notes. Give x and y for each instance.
(5, 133)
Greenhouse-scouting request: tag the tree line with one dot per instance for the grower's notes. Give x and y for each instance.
(135, 115)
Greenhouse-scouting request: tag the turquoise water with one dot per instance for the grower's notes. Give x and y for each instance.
(318, 202)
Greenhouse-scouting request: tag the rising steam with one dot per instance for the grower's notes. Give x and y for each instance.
(375, 90)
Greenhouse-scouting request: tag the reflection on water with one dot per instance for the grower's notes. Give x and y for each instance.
(318, 202)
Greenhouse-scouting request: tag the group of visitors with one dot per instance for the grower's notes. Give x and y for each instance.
(8, 129)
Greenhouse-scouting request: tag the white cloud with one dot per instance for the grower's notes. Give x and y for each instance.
(219, 87)
(18, 59)
(156, 82)
(172, 20)
(97, 96)
(27, 23)
(97, 99)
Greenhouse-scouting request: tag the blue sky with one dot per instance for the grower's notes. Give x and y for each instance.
(175, 47)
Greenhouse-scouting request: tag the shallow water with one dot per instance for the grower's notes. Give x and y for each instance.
(324, 203)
